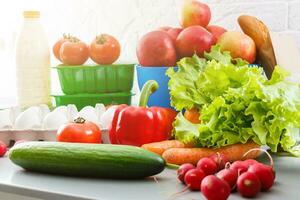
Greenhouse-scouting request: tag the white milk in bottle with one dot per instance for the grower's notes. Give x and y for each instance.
(33, 63)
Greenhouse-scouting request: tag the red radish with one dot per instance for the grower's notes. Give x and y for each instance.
(264, 173)
(207, 165)
(248, 184)
(193, 178)
(183, 169)
(239, 166)
(3, 149)
(214, 188)
(230, 176)
(220, 159)
(249, 162)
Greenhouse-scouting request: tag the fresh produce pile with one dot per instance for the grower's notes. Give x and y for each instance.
(216, 178)
(236, 103)
(226, 109)
(104, 50)
(167, 45)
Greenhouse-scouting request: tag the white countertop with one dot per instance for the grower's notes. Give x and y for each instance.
(17, 181)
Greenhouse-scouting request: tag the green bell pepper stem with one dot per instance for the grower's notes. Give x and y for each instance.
(149, 88)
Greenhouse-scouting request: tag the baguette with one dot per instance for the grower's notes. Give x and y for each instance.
(259, 32)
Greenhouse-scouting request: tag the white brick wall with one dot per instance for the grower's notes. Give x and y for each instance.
(130, 19)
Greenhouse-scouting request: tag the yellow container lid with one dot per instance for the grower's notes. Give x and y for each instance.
(31, 14)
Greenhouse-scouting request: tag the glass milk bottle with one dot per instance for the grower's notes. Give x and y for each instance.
(33, 63)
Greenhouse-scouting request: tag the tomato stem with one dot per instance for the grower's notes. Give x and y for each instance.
(79, 120)
(100, 39)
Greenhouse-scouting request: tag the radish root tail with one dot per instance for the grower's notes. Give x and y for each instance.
(262, 150)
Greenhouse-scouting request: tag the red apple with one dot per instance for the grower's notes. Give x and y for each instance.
(239, 45)
(164, 28)
(174, 32)
(216, 31)
(193, 13)
(194, 39)
(156, 48)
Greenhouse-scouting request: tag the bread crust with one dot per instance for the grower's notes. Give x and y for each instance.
(259, 32)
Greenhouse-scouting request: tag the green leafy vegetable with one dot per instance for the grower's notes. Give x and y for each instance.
(237, 103)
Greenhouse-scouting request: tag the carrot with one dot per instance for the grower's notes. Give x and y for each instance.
(180, 156)
(160, 147)
(234, 152)
(237, 151)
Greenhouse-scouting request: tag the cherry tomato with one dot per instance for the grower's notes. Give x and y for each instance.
(80, 131)
(74, 52)
(105, 49)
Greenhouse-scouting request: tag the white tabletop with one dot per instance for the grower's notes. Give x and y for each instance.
(15, 180)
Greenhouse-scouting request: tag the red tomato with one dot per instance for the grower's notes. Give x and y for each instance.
(57, 46)
(216, 31)
(74, 52)
(156, 49)
(194, 39)
(80, 131)
(105, 49)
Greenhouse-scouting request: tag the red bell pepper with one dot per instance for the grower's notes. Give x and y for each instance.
(132, 125)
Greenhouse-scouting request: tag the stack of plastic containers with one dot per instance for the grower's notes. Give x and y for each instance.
(89, 85)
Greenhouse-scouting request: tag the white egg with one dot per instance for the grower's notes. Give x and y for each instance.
(29, 119)
(106, 118)
(5, 119)
(89, 114)
(61, 109)
(43, 110)
(71, 112)
(54, 120)
(100, 110)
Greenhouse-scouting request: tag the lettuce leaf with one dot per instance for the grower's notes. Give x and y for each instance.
(237, 103)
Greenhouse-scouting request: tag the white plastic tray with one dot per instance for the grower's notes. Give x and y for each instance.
(9, 137)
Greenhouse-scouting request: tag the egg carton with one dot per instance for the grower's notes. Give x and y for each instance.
(39, 123)
(9, 137)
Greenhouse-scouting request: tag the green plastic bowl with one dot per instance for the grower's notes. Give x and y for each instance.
(95, 79)
(82, 100)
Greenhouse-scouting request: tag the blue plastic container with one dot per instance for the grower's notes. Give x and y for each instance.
(162, 96)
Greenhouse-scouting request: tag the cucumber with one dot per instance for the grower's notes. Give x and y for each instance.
(93, 160)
